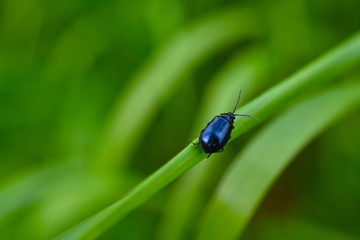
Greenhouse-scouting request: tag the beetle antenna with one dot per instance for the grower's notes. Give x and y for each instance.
(244, 115)
(238, 100)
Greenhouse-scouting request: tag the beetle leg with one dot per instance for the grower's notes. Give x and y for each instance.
(209, 155)
(198, 141)
(221, 150)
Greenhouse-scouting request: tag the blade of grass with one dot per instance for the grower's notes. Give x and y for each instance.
(92, 227)
(336, 61)
(321, 70)
(267, 155)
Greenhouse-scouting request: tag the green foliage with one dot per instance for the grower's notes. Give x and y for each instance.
(97, 97)
(263, 106)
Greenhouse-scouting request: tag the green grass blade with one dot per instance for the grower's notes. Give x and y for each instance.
(92, 227)
(267, 155)
(270, 102)
(326, 67)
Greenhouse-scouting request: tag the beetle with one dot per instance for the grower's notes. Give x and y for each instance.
(217, 132)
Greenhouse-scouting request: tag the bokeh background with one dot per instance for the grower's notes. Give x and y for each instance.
(97, 95)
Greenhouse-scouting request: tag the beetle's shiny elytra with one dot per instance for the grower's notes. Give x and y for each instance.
(217, 132)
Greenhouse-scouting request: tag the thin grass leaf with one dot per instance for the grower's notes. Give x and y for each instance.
(267, 155)
(321, 70)
(92, 227)
(335, 62)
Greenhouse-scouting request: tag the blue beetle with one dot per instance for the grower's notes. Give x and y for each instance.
(217, 132)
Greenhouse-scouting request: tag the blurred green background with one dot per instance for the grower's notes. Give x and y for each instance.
(97, 95)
